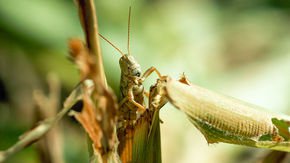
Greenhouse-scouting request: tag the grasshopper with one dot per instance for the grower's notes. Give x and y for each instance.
(131, 105)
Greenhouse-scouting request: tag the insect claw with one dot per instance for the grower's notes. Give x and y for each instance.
(146, 94)
(136, 81)
(140, 111)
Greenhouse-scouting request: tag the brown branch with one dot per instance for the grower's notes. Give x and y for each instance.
(40, 129)
(50, 147)
(99, 114)
(88, 20)
(32, 136)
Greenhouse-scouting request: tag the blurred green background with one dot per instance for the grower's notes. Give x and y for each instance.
(239, 48)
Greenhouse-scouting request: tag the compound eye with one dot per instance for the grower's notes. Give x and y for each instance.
(136, 73)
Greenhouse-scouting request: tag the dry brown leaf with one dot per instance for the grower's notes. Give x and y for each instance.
(99, 113)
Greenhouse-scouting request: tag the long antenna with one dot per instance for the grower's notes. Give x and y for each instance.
(111, 44)
(129, 21)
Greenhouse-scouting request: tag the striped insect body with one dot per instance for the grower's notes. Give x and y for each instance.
(132, 111)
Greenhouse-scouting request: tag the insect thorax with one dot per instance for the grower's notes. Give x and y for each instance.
(128, 110)
(130, 75)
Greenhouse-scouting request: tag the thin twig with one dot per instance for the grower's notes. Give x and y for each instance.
(41, 129)
(50, 148)
(32, 135)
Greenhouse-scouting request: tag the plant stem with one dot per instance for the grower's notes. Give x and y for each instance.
(88, 20)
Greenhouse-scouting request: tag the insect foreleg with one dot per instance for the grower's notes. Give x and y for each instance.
(130, 98)
(148, 72)
(146, 93)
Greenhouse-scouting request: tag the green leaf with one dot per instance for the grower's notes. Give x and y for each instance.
(283, 127)
(153, 151)
(267, 137)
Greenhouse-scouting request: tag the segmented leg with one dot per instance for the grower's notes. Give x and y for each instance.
(130, 98)
(148, 72)
(146, 93)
